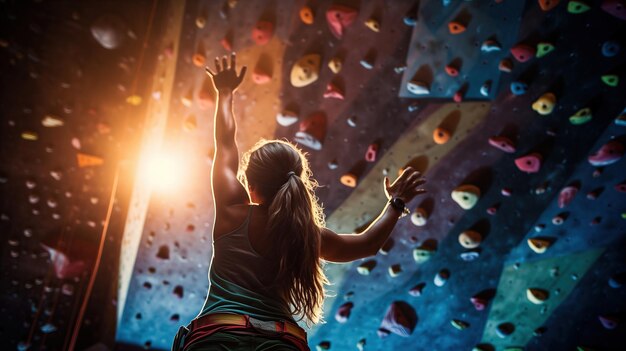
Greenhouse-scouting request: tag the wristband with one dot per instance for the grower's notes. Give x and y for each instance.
(399, 205)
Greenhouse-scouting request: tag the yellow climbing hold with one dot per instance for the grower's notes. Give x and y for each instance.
(134, 100)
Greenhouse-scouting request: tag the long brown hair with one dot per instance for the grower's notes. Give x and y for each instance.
(295, 222)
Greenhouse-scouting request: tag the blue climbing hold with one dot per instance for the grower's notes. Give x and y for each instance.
(519, 88)
(610, 48)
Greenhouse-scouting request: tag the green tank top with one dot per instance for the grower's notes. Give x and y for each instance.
(240, 277)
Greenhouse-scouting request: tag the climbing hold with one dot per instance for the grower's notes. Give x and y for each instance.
(109, 31)
(343, 312)
(505, 65)
(490, 45)
(441, 278)
(134, 100)
(51, 121)
(617, 280)
(261, 74)
(323, 345)
(351, 121)
(399, 319)
(536, 296)
(199, 57)
(545, 104)
(544, 48)
(441, 135)
(335, 64)
(470, 255)
(190, 123)
(456, 27)
(529, 163)
(262, 32)
(395, 270)
(581, 117)
(559, 219)
(410, 18)
(621, 187)
(366, 267)
(458, 96)
(539, 245)
(30, 135)
(451, 70)
(227, 41)
(466, 196)
(349, 179)
(305, 71)
(418, 88)
(373, 24)
(485, 89)
(523, 52)
(417, 289)
(610, 48)
(286, 118)
(64, 267)
(333, 92)
(423, 253)
(312, 131)
(306, 15)
(360, 345)
(372, 151)
(419, 217)
(610, 79)
(470, 239)
(85, 160)
(577, 7)
(459, 324)
(609, 322)
(479, 302)
(387, 246)
(339, 17)
(368, 61)
(503, 143)
(547, 5)
(616, 8)
(505, 329)
(519, 88)
(567, 195)
(608, 154)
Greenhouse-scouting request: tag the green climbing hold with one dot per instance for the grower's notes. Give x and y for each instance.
(577, 7)
(581, 117)
(459, 324)
(544, 48)
(610, 79)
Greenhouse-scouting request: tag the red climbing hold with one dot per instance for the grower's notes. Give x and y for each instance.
(343, 312)
(63, 266)
(529, 163)
(621, 187)
(333, 92)
(452, 71)
(372, 151)
(567, 195)
(262, 32)
(400, 319)
(339, 17)
(456, 27)
(615, 8)
(523, 52)
(548, 5)
(503, 143)
(608, 154)
(479, 303)
(312, 131)
(458, 96)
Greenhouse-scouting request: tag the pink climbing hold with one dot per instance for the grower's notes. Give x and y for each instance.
(372, 151)
(400, 319)
(567, 195)
(503, 143)
(63, 266)
(608, 154)
(312, 131)
(262, 32)
(333, 92)
(339, 17)
(523, 52)
(616, 8)
(343, 312)
(458, 96)
(529, 163)
(479, 303)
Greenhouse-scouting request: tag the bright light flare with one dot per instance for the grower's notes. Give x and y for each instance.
(166, 171)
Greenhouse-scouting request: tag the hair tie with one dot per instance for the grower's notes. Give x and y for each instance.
(291, 173)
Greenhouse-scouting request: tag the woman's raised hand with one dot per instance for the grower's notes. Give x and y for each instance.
(225, 78)
(406, 186)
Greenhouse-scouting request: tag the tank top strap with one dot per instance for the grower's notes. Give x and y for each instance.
(242, 228)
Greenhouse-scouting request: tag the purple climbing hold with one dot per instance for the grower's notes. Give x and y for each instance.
(399, 319)
(616, 8)
(503, 143)
(609, 322)
(608, 154)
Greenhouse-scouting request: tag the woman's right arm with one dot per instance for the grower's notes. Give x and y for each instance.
(349, 247)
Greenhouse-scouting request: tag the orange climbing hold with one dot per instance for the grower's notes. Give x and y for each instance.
(306, 15)
(548, 5)
(349, 179)
(85, 160)
(456, 27)
(441, 135)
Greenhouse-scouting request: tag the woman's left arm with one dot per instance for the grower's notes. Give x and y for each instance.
(227, 190)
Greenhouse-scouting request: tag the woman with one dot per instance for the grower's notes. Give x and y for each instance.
(269, 239)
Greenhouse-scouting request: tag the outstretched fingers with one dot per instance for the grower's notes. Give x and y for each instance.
(233, 60)
(209, 72)
(218, 66)
(225, 63)
(242, 73)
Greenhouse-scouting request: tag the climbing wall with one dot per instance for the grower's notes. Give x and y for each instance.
(513, 110)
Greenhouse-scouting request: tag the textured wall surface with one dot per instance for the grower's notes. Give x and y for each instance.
(479, 68)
